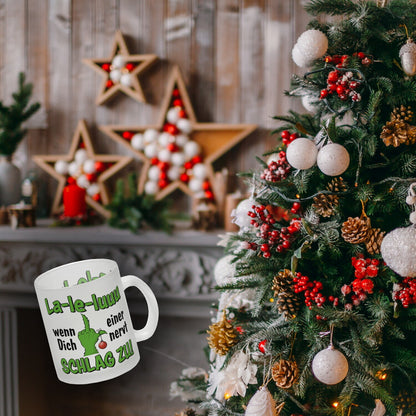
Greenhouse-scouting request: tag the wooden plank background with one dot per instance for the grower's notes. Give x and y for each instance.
(235, 56)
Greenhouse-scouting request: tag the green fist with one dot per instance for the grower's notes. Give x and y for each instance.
(88, 337)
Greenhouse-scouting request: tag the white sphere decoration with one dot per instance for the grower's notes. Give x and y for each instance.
(181, 139)
(165, 138)
(333, 159)
(172, 116)
(126, 80)
(301, 153)
(200, 171)
(407, 55)
(81, 156)
(398, 250)
(195, 185)
(261, 404)
(74, 169)
(153, 173)
(151, 150)
(184, 125)
(93, 189)
(89, 166)
(310, 103)
(150, 135)
(83, 182)
(330, 366)
(299, 58)
(240, 214)
(412, 217)
(178, 159)
(191, 149)
(118, 61)
(174, 173)
(224, 270)
(164, 155)
(151, 188)
(61, 167)
(312, 43)
(137, 141)
(115, 75)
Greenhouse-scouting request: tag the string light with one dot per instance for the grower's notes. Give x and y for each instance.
(271, 300)
(227, 396)
(381, 375)
(335, 404)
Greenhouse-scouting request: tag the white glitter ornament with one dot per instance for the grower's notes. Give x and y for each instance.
(81, 156)
(126, 80)
(330, 366)
(151, 150)
(174, 173)
(93, 189)
(333, 159)
(115, 75)
(61, 167)
(151, 187)
(224, 270)
(261, 404)
(181, 139)
(178, 159)
(200, 171)
(137, 141)
(83, 182)
(118, 61)
(313, 44)
(191, 149)
(164, 155)
(74, 169)
(299, 58)
(184, 125)
(407, 55)
(301, 153)
(153, 173)
(195, 185)
(150, 135)
(89, 166)
(172, 116)
(240, 214)
(310, 103)
(165, 138)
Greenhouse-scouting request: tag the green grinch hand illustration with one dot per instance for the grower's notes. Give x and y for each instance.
(88, 337)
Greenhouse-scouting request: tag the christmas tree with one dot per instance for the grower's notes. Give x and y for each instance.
(317, 310)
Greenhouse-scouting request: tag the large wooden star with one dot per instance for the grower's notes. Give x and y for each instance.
(100, 168)
(120, 71)
(176, 120)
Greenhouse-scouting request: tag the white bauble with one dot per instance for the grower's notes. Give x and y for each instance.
(310, 103)
(313, 44)
(153, 173)
(164, 155)
(83, 182)
(165, 138)
(150, 135)
(299, 58)
(151, 150)
(333, 159)
(181, 139)
(407, 55)
(151, 188)
(172, 116)
(184, 125)
(200, 171)
(178, 159)
(398, 250)
(195, 185)
(93, 189)
(126, 80)
(330, 366)
(89, 166)
(118, 61)
(115, 75)
(301, 153)
(137, 141)
(74, 169)
(61, 167)
(174, 173)
(81, 156)
(191, 149)
(240, 213)
(261, 404)
(224, 270)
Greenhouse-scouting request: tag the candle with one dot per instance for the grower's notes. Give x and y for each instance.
(74, 201)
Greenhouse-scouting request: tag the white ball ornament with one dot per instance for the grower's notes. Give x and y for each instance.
(184, 125)
(126, 80)
(299, 58)
(240, 213)
(191, 149)
(200, 171)
(151, 150)
(313, 44)
(224, 270)
(172, 116)
(74, 169)
(115, 75)
(301, 153)
(164, 155)
(407, 55)
(333, 159)
(310, 103)
(61, 167)
(195, 185)
(83, 182)
(153, 173)
(178, 159)
(261, 404)
(165, 138)
(330, 366)
(118, 61)
(137, 141)
(150, 135)
(89, 166)
(93, 189)
(81, 156)
(174, 173)
(151, 188)
(181, 139)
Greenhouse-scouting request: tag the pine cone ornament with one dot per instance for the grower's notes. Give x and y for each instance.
(288, 304)
(406, 401)
(398, 131)
(282, 282)
(324, 204)
(355, 230)
(222, 336)
(285, 373)
(374, 239)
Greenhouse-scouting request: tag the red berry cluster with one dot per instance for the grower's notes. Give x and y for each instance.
(278, 238)
(343, 84)
(362, 285)
(288, 137)
(407, 292)
(277, 170)
(341, 61)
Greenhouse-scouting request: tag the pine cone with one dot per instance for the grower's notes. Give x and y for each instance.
(374, 239)
(355, 230)
(324, 204)
(288, 303)
(282, 282)
(285, 373)
(406, 401)
(222, 336)
(398, 131)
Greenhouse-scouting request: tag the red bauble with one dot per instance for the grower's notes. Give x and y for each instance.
(163, 175)
(129, 66)
(209, 195)
(176, 93)
(361, 55)
(102, 345)
(91, 177)
(293, 136)
(324, 93)
(154, 161)
(177, 102)
(81, 145)
(188, 165)
(163, 166)
(206, 186)
(106, 67)
(340, 90)
(285, 134)
(333, 77)
(184, 178)
(171, 129)
(96, 197)
(172, 147)
(71, 180)
(109, 84)
(182, 113)
(100, 166)
(196, 159)
(127, 135)
(262, 346)
(163, 183)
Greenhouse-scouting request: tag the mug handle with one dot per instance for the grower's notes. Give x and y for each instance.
(153, 317)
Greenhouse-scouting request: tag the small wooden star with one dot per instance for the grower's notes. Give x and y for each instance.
(177, 134)
(120, 71)
(94, 169)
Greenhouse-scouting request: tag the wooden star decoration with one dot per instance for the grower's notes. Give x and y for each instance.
(120, 71)
(93, 169)
(178, 151)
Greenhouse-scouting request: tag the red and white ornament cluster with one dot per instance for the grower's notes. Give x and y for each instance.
(119, 71)
(173, 155)
(343, 84)
(406, 293)
(83, 171)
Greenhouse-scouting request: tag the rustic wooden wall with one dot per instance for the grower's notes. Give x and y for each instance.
(234, 54)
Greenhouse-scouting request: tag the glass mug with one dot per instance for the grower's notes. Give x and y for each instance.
(87, 320)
